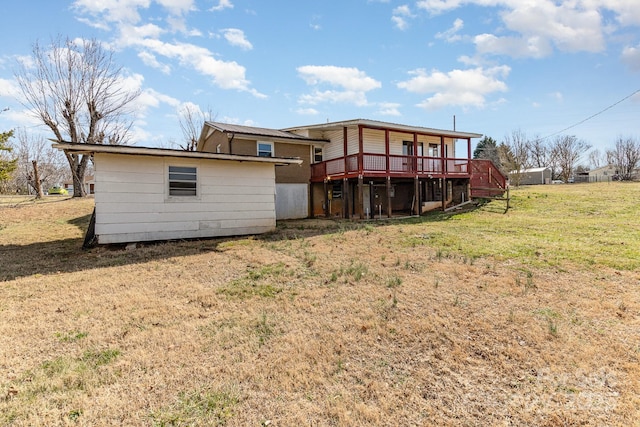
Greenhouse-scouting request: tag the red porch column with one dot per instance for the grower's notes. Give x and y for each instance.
(360, 150)
(442, 158)
(387, 151)
(469, 156)
(345, 145)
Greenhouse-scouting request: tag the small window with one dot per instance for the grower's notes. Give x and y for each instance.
(317, 154)
(336, 190)
(182, 181)
(265, 149)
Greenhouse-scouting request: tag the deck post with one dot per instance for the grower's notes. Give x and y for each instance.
(389, 197)
(360, 198)
(345, 197)
(443, 193)
(326, 199)
(416, 196)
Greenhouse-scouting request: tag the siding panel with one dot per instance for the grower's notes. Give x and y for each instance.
(132, 202)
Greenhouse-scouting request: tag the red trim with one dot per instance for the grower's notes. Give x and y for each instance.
(387, 150)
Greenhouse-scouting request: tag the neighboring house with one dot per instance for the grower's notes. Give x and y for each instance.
(292, 181)
(531, 176)
(603, 174)
(147, 194)
(89, 185)
(361, 168)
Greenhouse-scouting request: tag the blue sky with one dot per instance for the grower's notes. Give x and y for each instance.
(539, 66)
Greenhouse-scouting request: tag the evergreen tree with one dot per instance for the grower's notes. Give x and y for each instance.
(7, 165)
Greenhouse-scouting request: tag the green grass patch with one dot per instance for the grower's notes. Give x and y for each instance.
(266, 281)
(200, 407)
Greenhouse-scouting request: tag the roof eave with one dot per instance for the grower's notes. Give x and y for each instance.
(162, 152)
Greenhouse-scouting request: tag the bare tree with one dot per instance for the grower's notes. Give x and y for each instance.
(515, 150)
(539, 153)
(49, 163)
(596, 158)
(567, 151)
(625, 157)
(77, 91)
(192, 119)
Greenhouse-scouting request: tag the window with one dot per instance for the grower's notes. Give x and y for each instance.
(265, 149)
(182, 181)
(336, 190)
(317, 154)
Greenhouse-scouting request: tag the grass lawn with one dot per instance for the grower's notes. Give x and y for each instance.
(481, 317)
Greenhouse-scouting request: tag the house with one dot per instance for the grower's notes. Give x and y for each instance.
(147, 194)
(362, 168)
(531, 176)
(89, 185)
(292, 181)
(603, 174)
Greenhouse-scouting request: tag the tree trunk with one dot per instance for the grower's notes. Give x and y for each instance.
(36, 180)
(78, 164)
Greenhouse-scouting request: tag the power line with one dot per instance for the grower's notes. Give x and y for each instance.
(592, 116)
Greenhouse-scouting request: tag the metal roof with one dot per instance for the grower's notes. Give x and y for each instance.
(391, 126)
(257, 131)
(165, 152)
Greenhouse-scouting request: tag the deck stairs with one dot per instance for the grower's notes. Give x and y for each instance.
(486, 180)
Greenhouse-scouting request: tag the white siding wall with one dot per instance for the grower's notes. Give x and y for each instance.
(353, 141)
(133, 204)
(292, 201)
(395, 141)
(335, 148)
(373, 141)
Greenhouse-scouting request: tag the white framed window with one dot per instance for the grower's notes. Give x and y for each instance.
(317, 154)
(265, 149)
(183, 181)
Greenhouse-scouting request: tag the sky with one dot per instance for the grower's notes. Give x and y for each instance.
(542, 67)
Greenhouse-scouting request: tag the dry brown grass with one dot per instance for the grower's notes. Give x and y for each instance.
(320, 323)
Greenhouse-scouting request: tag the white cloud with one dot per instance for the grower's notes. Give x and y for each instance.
(352, 84)
(346, 77)
(399, 22)
(517, 47)
(150, 60)
(400, 15)
(236, 37)
(222, 4)
(457, 87)
(146, 37)
(121, 11)
(631, 57)
(388, 109)
(177, 7)
(535, 28)
(439, 6)
(9, 88)
(307, 111)
(451, 35)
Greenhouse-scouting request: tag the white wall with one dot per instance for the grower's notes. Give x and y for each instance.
(133, 202)
(292, 201)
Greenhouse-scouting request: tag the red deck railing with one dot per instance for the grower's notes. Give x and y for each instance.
(392, 165)
(486, 179)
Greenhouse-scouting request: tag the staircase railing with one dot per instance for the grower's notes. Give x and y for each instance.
(486, 179)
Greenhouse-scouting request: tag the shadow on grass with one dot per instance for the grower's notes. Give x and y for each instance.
(67, 255)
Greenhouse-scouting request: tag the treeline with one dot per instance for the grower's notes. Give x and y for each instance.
(563, 154)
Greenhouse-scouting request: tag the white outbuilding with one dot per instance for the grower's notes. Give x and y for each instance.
(148, 194)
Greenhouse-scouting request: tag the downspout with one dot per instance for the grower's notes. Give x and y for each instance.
(233, 135)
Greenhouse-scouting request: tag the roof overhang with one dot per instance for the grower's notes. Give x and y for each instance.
(72, 148)
(374, 124)
(273, 135)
